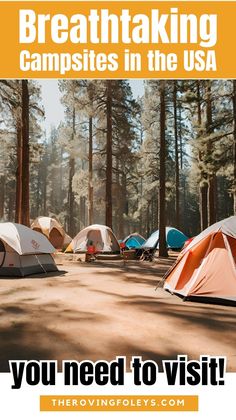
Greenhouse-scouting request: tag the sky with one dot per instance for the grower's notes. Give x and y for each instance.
(137, 87)
(54, 111)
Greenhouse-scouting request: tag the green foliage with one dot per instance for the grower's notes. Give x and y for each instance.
(59, 161)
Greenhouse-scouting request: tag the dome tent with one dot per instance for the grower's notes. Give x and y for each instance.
(53, 230)
(99, 236)
(23, 251)
(205, 269)
(134, 241)
(175, 239)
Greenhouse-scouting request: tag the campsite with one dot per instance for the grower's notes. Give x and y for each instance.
(117, 219)
(99, 309)
(108, 310)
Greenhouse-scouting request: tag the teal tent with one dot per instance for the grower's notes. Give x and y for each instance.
(134, 241)
(175, 239)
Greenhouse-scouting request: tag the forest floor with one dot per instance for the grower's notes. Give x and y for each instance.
(104, 309)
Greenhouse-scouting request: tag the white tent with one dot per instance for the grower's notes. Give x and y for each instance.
(53, 230)
(23, 251)
(99, 236)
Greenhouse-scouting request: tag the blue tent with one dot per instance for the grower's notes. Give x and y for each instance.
(134, 241)
(175, 239)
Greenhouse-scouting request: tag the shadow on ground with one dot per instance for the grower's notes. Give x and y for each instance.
(107, 310)
(37, 276)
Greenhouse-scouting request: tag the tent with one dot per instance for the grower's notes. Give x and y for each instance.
(53, 230)
(99, 236)
(23, 251)
(134, 241)
(175, 239)
(205, 269)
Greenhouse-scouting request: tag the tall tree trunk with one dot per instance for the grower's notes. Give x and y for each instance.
(157, 211)
(90, 195)
(38, 200)
(162, 175)
(25, 211)
(11, 195)
(118, 214)
(177, 216)
(90, 157)
(211, 175)
(180, 136)
(141, 227)
(123, 203)
(18, 205)
(71, 197)
(108, 199)
(148, 220)
(61, 177)
(44, 189)
(212, 188)
(203, 188)
(234, 145)
(185, 222)
(2, 195)
(82, 212)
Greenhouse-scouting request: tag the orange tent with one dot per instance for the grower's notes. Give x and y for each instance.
(205, 269)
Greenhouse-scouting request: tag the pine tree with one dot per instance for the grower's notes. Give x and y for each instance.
(162, 175)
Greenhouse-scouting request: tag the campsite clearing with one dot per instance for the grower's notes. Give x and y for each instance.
(104, 309)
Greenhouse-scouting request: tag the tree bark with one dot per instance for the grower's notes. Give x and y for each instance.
(203, 188)
(38, 200)
(11, 195)
(212, 199)
(18, 205)
(44, 189)
(118, 222)
(82, 212)
(148, 220)
(123, 203)
(234, 145)
(141, 227)
(90, 195)
(180, 137)
(108, 198)
(71, 197)
(25, 210)
(177, 214)
(211, 175)
(162, 176)
(2, 195)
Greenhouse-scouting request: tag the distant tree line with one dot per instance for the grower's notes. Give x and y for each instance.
(165, 159)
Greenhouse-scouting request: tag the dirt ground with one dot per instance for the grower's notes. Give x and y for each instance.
(104, 309)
